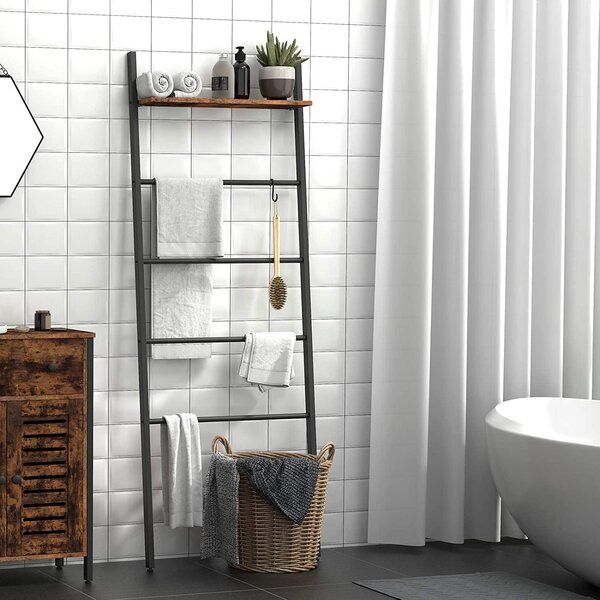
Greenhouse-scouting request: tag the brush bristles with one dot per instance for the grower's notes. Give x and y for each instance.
(277, 293)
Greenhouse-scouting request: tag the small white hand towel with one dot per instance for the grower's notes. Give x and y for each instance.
(181, 471)
(267, 359)
(187, 84)
(154, 83)
(189, 217)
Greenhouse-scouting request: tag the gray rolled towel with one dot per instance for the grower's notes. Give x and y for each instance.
(287, 483)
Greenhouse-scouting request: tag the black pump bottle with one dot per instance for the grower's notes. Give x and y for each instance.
(242, 74)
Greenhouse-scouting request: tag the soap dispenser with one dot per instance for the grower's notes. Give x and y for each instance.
(242, 74)
(222, 78)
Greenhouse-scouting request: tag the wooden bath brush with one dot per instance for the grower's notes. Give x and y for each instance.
(277, 287)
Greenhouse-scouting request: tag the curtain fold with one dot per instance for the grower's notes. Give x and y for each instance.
(486, 246)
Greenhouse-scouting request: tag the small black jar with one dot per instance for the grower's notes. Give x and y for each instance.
(42, 320)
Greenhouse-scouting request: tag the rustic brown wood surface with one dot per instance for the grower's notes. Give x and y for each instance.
(76, 477)
(223, 102)
(37, 367)
(53, 334)
(48, 450)
(43, 411)
(14, 438)
(3, 472)
(45, 556)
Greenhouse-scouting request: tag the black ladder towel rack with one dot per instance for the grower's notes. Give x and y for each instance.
(137, 182)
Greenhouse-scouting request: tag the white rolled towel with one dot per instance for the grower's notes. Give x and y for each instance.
(154, 83)
(187, 84)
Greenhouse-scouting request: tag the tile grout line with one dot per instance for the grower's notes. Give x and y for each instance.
(342, 553)
(204, 566)
(68, 104)
(345, 388)
(109, 303)
(45, 574)
(195, 594)
(25, 182)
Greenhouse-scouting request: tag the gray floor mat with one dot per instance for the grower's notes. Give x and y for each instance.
(471, 586)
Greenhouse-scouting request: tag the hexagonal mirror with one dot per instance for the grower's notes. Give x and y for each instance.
(20, 136)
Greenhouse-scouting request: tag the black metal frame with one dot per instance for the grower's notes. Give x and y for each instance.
(143, 341)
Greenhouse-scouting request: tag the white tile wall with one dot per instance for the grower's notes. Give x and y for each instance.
(66, 241)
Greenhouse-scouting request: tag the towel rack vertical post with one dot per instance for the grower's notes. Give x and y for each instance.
(309, 383)
(143, 338)
(140, 305)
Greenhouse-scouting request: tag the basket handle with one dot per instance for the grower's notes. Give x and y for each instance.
(327, 452)
(224, 442)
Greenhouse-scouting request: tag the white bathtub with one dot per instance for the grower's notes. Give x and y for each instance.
(545, 459)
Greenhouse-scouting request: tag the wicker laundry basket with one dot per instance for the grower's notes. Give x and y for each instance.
(268, 541)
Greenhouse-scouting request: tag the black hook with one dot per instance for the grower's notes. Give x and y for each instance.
(274, 196)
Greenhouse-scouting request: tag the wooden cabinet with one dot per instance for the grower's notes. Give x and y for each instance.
(46, 446)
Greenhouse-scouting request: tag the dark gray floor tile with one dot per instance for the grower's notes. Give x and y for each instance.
(560, 578)
(131, 580)
(439, 559)
(249, 595)
(345, 591)
(333, 568)
(524, 550)
(28, 584)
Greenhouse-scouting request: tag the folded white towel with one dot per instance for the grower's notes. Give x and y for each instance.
(267, 359)
(154, 83)
(181, 471)
(189, 221)
(188, 224)
(187, 84)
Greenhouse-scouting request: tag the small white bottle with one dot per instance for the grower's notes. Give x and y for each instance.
(222, 78)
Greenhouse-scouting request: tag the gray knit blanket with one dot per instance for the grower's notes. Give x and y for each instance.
(287, 483)
(220, 510)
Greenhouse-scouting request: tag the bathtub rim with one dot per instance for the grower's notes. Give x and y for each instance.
(495, 419)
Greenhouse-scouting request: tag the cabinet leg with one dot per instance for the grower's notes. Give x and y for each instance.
(88, 561)
(59, 563)
(88, 569)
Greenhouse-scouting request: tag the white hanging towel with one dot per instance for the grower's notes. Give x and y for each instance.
(189, 217)
(181, 470)
(188, 224)
(267, 359)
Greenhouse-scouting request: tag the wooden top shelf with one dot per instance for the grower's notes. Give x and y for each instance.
(223, 102)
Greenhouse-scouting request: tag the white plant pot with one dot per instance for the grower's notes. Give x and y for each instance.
(276, 83)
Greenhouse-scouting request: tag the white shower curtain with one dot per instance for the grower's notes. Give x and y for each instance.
(486, 247)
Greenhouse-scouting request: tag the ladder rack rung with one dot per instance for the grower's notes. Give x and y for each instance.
(273, 417)
(244, 182)
(205, 340)
(221, 260)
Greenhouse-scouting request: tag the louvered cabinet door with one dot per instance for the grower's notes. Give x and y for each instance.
(45, 489)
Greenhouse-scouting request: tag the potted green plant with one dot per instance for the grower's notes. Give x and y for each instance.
(276, 76)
